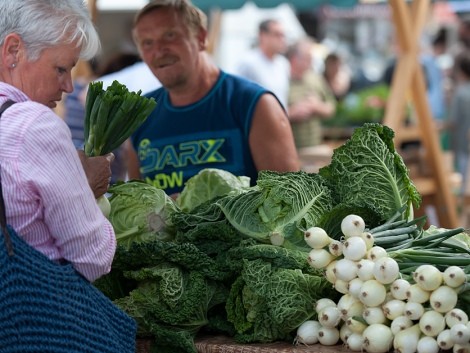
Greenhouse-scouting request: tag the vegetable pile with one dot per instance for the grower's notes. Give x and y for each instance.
(228, 258)
(412, 297)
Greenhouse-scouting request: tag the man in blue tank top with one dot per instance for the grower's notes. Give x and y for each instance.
(205, 118)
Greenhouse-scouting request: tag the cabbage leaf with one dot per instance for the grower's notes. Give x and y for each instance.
(368, 173)
(282, 206)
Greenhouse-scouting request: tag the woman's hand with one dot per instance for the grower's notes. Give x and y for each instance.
(98, 172)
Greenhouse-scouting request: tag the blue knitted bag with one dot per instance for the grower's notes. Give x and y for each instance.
(47, 307)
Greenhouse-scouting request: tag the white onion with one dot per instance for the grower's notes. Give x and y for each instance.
(368, 238)
(428, 277)
(365, 269)
(461, 348)
(328, 336)
(444, 340)
(355, 342)
(346, 302)
(323, 303)
(344, 332)
(355, 325)
(400, 323)
(386, 270)
(417, 294)
(335, 248)
(374, 315)
(460, 334)
(352, 225)
(354, 286)
(341, 286)
(319, 258)
(355, 310)
(406, 341)
(376, 252)
(443, 299)
(393, 308)
(378, 338)
(329, 316)
(373, 293)
(345, 269)
(454, 276)
(307, 332)
(399, 287)
(413, 310)
(427, 344)
(316, 237)
(432, 323)
(456, 316)
(330, 270)
(354, 248)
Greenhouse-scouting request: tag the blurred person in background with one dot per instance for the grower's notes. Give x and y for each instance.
(335, 76)
(310, 98)
(205, 117)
(459, 117)
(266, 64)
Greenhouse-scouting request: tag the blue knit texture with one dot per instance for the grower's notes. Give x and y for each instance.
(50, 308)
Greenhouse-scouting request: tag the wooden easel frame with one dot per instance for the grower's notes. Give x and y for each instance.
(408, 78)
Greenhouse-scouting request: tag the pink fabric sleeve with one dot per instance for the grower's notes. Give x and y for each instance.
(51, 168)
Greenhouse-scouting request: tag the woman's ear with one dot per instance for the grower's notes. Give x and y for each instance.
(11, 49)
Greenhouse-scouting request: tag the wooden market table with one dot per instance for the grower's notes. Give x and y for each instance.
(222, 344)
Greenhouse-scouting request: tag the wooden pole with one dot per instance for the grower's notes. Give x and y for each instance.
(408, 78)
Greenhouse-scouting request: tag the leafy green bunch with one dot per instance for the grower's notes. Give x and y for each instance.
(112, 115)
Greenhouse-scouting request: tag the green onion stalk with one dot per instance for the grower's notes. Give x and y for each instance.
(111, 117)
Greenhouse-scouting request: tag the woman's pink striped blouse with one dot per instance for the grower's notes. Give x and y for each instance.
(48, 199)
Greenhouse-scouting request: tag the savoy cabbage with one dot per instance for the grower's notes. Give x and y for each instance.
(140, 212)
(281, 206)
(368, 173)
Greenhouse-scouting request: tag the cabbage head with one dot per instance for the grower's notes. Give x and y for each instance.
(280, 208)
(140, 212)
(268, 303)
(368, 173)
(208, 184)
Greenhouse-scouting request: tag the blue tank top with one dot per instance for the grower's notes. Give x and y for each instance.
(175, 143)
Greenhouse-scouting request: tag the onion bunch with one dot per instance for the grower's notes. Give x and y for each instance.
(391, 299)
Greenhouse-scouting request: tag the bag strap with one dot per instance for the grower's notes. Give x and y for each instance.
(3, 216)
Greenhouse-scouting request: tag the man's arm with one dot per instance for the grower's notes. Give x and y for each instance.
(271, 140)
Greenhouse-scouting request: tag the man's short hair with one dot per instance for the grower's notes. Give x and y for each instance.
(194, 17)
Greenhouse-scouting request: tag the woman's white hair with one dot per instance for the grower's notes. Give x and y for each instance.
(47, 23)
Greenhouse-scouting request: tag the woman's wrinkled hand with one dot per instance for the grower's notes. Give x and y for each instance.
(98, 172)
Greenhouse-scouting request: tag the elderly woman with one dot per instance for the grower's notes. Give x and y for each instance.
(47, 192)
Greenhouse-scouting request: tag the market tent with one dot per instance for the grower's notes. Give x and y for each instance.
(298, 4)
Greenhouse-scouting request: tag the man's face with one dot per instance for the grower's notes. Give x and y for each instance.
(274, 39)
(168, 46)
